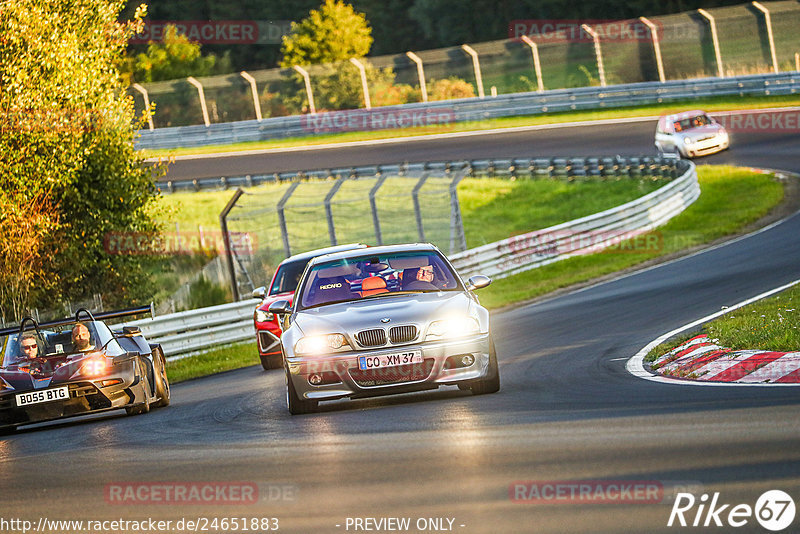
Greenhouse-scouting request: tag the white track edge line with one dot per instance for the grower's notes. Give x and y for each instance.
(635, 365)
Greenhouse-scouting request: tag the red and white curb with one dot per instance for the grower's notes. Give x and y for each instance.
(701, 358)
(756, 369)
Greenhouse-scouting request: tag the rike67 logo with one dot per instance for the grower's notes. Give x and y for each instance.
(774, 510)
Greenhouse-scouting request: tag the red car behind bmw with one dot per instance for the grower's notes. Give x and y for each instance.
(282, 287)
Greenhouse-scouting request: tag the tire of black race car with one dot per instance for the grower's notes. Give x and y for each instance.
(273, 361)
(296, 405)
(490, 384)
(161, 379)
(142, 407)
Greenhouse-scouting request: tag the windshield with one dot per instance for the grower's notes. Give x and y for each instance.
(692, 122)
(369, 276)
(287, 277)
(58, 341)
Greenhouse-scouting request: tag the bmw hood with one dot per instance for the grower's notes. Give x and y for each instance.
(414, 308)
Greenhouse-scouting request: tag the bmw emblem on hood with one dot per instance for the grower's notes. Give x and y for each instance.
(385, 320)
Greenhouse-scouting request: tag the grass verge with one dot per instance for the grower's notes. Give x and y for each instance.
(731, 199)
(726, 103)
(491, 208)
(769, 324)
(214, 361)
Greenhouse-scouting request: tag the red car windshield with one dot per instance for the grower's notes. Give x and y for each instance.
(285, 280)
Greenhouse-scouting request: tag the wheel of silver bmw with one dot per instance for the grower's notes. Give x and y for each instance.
(490, 384)
(296, 405)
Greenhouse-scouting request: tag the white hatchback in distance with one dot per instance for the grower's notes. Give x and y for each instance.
(690, 134)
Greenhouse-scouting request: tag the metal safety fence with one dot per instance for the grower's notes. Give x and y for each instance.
(297, 212)
(305, 210)
(472, 110)
(588, 234)
(539, 55)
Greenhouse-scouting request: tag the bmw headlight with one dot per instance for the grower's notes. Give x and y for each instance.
(320, 344)
(453, 328)
(263, 316)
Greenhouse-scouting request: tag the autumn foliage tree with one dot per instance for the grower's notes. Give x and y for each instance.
(330, 36)
(69, 174)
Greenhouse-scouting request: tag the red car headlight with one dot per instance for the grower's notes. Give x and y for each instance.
(263, 316)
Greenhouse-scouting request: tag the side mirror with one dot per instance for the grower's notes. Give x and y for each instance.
(260, 292)
(130, 331)
(280, 307)
(478, 281)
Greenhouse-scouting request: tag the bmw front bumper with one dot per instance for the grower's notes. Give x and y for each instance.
(338, 375)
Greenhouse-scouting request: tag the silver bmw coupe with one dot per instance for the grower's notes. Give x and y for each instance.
(384, 320)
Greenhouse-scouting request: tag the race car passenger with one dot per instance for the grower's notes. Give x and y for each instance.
(29, 347)
(81, 338)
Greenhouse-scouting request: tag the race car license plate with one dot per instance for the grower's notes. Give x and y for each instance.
(389, 360)
(45, 395)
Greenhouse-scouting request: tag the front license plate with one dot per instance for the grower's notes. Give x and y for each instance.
(389, 360)
(45, 395)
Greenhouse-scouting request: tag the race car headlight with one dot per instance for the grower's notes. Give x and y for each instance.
(687, 141)
(95, 366)
(452, 328)
(263, 316)
(320, 344)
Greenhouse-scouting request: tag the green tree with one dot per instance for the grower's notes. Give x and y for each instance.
(172, 58)
(334, 32)
(69, 174)
(330, 36)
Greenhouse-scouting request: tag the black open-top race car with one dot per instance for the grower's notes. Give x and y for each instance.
(76, 366)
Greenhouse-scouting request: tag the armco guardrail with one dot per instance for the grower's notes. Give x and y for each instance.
(581, 236)
(202, 328)
(471, 109)
(195, 330)
(538, 167)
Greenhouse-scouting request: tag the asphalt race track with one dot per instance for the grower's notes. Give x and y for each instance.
(762, 149)
(568, 412)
